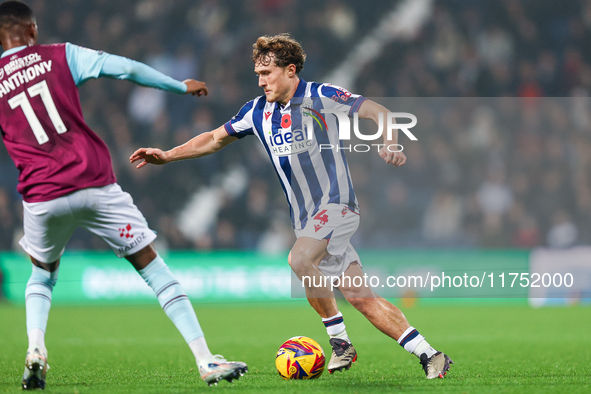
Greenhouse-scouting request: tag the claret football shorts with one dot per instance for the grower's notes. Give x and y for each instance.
(336, 223)
(106, 211)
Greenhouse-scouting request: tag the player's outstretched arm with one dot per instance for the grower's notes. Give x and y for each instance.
(86, 64)
(390, 151)
(196, 88)
(202, 145)
(123, 68)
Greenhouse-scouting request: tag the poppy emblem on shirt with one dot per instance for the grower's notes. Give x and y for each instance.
(286, 121)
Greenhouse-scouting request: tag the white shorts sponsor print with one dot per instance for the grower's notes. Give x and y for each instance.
(337, 223)
(106, 211)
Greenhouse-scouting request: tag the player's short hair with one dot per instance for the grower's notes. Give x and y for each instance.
(14, 13)
(282, 48)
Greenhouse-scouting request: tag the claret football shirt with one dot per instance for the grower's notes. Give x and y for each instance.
(41, 119)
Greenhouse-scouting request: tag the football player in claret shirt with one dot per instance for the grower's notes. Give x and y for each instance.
(318, 187)
(67, 181)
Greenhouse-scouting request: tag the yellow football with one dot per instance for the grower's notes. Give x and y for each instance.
(300, 358)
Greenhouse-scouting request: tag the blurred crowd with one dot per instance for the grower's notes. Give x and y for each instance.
(509, 171)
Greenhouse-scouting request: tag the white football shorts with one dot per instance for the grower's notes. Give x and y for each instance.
(106, 211)
(337, 223)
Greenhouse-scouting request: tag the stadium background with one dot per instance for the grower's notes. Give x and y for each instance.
(463, 48)
(471, 195)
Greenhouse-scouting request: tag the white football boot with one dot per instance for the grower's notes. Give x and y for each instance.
(216, 368)
(343, 355)
(435, 366)
(35, 370)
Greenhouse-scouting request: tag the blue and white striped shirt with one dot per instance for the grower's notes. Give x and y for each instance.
(310, 177)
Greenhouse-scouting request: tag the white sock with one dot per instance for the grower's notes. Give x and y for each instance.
(424, 347)
(342, 335)
(415, 343)
(172, 298)
(38, 302)
(37, 341)
(335, 327)
(200, 349)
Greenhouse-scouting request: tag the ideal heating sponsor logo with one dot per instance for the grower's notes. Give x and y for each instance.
(286, 141)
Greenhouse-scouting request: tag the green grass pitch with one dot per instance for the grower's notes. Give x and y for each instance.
(135, 349)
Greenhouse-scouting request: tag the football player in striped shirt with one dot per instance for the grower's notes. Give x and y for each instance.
(318, 187)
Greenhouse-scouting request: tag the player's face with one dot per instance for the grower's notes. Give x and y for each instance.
(33, 33)
(275, 82)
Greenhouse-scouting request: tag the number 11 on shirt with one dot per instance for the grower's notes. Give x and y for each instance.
(20, 100)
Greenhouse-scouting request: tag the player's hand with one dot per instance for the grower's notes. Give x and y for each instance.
(149, 156)
(397, 159)
(196, 88)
